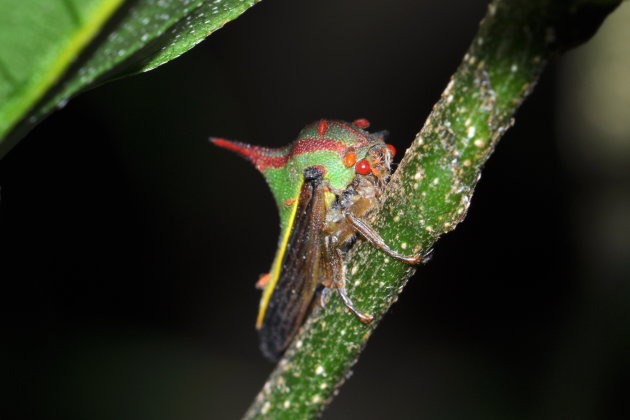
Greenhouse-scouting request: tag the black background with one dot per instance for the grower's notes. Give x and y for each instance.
(130, 246)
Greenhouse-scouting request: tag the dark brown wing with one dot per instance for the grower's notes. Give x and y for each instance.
(295, 288)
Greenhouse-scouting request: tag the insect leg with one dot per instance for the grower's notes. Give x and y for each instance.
(339, 271)
(326, 274)
(375, 239)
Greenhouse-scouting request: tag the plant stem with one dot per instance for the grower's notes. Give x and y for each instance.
(430, 192)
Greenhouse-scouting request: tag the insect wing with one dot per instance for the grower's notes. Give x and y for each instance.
(295, 287)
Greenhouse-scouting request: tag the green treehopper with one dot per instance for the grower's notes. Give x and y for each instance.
(325, 183)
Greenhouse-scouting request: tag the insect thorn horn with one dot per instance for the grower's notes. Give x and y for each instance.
(261, 157)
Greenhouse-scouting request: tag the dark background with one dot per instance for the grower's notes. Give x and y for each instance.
(130, 246)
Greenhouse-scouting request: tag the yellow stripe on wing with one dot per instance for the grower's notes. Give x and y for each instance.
(277, 265)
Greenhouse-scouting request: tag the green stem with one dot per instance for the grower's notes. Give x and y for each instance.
(430, 192)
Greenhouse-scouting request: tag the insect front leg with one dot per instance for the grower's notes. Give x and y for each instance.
(338, 281)
(375, 239)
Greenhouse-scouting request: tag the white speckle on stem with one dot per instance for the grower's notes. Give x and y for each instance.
(470, 133)
(449, 87)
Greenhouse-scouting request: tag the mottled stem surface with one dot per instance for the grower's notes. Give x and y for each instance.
(430, 192)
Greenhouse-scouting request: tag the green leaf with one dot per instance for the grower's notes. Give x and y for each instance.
(50, 50)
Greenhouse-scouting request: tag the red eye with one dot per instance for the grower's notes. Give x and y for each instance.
(350, 159)
(363, 167)
(322, 128)
(392, 150)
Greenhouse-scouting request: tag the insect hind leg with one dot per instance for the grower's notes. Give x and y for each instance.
(365, 318)
(338, 282)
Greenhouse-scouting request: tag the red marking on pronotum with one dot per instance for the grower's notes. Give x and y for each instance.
(313, 145)
(264, 157)
(361, 123)
(364, 139)
(321, 169)
(261, 157)
(350, 159)
(263, 280)
(363, 167)
(322, 128)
